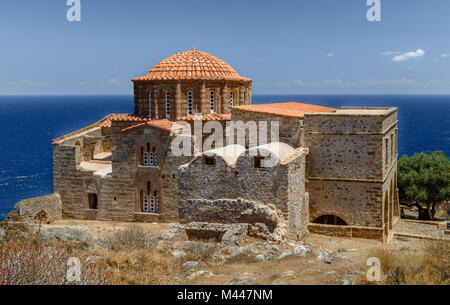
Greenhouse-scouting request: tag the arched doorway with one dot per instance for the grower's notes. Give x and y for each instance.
(330, 220)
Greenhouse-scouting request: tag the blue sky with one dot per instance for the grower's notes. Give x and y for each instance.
(286, 47)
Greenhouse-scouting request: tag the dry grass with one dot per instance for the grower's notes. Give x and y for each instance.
(141, 266)
(23, 263)
(130, 237)
(428, 267)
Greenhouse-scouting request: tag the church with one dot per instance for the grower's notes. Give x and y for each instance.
(335, 171)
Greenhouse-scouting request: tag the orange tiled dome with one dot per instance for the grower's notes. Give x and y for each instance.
(192, 65)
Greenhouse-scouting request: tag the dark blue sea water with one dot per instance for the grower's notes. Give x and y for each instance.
(29, 123)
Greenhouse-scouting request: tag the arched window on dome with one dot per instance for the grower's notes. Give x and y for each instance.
(232, 99)
(190, 102)
(168, 105)
(212, 101)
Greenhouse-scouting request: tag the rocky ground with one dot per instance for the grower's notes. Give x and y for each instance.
(162, 254)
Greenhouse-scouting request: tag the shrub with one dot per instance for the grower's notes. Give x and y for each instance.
(428, 267)
(131, 236)
(22, 263)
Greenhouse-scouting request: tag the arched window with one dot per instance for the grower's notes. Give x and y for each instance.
(149, 200)
(168, 105)
(212, 100)
(330, 220)
(232, 99)
(190, 102)
(154, 204)
(145, 157)
(149, 157)
(150, 104)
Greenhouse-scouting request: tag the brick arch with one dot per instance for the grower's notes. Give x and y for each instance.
(235, 96)
(217, 98)
(340, 217)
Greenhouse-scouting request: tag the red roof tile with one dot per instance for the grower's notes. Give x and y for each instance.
(163, 124)
(208, 117)
(289, 109)
(122, 117)
(192, 65)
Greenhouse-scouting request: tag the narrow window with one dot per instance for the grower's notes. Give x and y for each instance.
(151, 160)
(152, 204)
(190, 103)
(145, 204)
(392, 146)
(150, 104)
(210, 161)
(396, 141)
(387, 152)
(92, 199)
(148, 187)
(155, 157)
(232, 99)
(257, 162)
(156, 202)
(212, 98)
(168, 105)
(145, 159)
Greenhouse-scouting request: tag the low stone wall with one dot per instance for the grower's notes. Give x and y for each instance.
(227, 211)
(347, 231)
(47, 207)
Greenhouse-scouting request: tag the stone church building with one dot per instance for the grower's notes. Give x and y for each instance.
(335, 172)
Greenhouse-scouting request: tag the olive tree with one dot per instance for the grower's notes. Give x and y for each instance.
(424, 181)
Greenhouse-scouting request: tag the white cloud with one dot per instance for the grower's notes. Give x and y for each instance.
(409, 55)
(445, 55)
(298, 82)
(388, 53)
(330, 55)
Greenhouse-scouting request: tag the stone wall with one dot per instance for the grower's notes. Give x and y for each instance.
(47, 208)
(228, 211)
(346, 170)
(130, 177)
(281, 186)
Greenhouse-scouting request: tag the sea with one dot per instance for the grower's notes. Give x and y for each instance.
(29, 123)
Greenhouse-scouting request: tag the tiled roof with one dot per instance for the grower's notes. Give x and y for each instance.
(163, 124)
(123, 117)
(208, 117)
(192, 65)
(289, 109)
